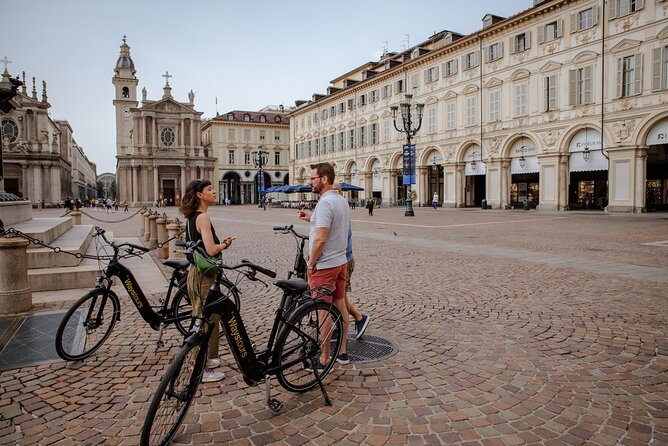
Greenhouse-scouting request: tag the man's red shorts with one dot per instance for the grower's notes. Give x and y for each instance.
(332, 278)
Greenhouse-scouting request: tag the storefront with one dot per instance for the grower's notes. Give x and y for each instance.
(377, 182)
(525, 177)
(475, 171)
(656, 195)
(435, 177)
(588, 171)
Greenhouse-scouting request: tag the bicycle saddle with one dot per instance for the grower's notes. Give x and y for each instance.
(177, 264)
(292, 285)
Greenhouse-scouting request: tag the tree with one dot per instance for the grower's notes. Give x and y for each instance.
(100, 189)
(112, 189)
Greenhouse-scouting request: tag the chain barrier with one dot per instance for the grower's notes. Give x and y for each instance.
(110, 221)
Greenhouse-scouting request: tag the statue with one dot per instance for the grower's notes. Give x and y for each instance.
(191, 97)
(143, 94)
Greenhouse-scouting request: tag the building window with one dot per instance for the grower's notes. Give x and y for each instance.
(351, 104)
(230, 157)
(431, 75)
(550, 31)
(494, 106)
(342, 140)
(126, 92)
(373, 96)
(580, 86)
(521, 42)
(361, 100)
(584, 19)
(471, 110)
(246, 134)
(342, 107)
(629, 75)
(278, 120)
(277, 158)
(247, 157)
(471, 60)
(247, 117)
(400, 86)
(374, 133)
(495, 52)
(620, 8)
(9, 130)
(167, 137)
(230, 117)
(386, 130)
(263, 118)
(362, 136)
(317, 146)
(451, 67)
(660, 68)
(415, 80)
(551, 93)
(521, 100)
(450, 115)
(387, 91)
(332, 139)
(351, 139)
(309, 147)
(230, 134)
(324, 114)
(431, 119)
(324, 144)
(262, 135)
(277, 136)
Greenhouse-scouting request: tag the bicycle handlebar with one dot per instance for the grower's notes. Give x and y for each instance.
(198, 246)
(290, 229)
(99, 231)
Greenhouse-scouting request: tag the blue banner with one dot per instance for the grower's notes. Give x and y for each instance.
(409, 163)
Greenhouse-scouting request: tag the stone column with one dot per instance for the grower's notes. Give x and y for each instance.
(162, 223)
(15, 291)
(134, 186)
(76, 217)
(183, 183)
(142, 223)
(147, 225)
(173, 229)
(156, 189)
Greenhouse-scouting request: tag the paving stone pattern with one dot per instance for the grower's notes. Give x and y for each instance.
(513, 328)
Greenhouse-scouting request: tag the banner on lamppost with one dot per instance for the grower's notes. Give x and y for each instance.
(409, 163)
(260, 182)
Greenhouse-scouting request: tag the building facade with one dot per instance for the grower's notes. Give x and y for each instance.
(42, 161)
(562, 105)
(236, 138)
(158, 143)
(106, 179)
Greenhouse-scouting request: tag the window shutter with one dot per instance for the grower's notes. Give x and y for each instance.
(464, 62)
(541, 34)
(612, 9)
(572, 87)
(454, 66)
(637, 82)
(656, 68)
(574, 22)
(436, 73)
(588, 85)
(476, 58)
(513, 45)
(594, 15)
(426, 76)
(485, 54)
(500, 49)
(560, 27)
(640, 4)
(546, 94)
(527, 40)
(620, 77)
(554, 98)
(624, 7)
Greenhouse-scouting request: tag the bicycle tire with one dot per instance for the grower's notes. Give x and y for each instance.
(79, 335)
(172, 399)
(182, 311)
(295, 342)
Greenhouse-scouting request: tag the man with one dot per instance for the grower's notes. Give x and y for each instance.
(434, 200)
(328, 240)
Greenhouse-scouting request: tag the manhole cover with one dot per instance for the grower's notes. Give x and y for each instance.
(370, 349)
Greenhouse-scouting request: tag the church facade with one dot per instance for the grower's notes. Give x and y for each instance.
(158, 142)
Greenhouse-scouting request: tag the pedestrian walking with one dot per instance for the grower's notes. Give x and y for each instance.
(125, 206)
(328, 239)
(434, 200)
(369, 206)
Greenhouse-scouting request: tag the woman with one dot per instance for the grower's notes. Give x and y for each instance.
(199, 195)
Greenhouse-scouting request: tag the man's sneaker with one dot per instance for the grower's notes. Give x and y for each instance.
(343, 358)
(320, 366)
(212, 363)
(361, 325)
(211, 376)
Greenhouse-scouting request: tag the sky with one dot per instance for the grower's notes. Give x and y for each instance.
(246, 54)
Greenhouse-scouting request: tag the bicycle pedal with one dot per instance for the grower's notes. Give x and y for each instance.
(275, 405)
(160, 344)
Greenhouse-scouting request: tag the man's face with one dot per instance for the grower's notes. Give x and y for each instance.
(316, 181)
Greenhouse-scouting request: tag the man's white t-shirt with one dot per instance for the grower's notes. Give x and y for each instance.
(331, 212)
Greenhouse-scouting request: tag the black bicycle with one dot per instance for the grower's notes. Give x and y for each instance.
(299, 267)
(89, 322)
(299, 337)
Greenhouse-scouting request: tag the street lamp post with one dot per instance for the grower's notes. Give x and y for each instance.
(407, 128)
(260, 159)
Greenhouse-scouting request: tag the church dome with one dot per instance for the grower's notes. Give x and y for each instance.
(124, 60)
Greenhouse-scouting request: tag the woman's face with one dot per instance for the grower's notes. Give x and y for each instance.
(208, 194)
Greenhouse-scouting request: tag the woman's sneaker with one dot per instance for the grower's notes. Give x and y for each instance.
(211, 376)
(212, 363)
(343, 358)
(361, 325)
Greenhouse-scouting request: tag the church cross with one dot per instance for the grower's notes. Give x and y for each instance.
(5, 61)
(124, 37)
(167, 76)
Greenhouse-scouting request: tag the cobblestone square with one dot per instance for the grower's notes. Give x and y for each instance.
(512, 327)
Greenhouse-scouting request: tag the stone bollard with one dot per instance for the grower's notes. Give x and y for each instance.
(162, 223)
(15, 291)
(147, 229)
(142, 223)
(173, 229)
(153, 239)
(76, 217)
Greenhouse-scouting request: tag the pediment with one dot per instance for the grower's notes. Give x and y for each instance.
(471, 89)
(362, 121)
(584, 56)
(625, 45)
(663, 34)
(351, 123)
(431, 100)
(450, 95)
(386, 114)
(373, 117)
(494, 82)
(550, 66)
(166, 105)
(522, 73)
(332, 129)
(342, 126)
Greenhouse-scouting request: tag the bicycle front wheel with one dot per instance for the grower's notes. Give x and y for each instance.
(173, 397)
(182, 307)
(87, 324)
(304, 336)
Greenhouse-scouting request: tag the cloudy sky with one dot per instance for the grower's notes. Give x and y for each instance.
(247, 54)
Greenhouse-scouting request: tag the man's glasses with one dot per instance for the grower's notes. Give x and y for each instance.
(314, 178)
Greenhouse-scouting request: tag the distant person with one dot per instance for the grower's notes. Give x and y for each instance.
(434, 201)
(369, 206)
(125, 206)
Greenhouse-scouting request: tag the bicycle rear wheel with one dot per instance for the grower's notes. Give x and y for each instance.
(87, 324)
(173, 397)
(300, 343)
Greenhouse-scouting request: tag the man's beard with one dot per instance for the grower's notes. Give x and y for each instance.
(317, 188)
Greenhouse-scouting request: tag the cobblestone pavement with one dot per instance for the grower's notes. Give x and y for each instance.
(513, 328)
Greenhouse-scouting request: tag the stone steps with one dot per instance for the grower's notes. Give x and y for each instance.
(75, 240)
(45, 230)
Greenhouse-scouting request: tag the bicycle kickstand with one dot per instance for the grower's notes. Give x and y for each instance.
(273, 403)
(328, 402)
(160, 343)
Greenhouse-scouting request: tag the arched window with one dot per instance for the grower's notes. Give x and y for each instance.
(167, 137)
(263, 118)
(230, 117)
(277, 119)
(10, 130)
(247, 117)
(126, 92)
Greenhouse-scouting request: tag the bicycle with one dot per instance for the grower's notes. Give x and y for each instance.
(300, 333)
(90, 320)
(299, 267)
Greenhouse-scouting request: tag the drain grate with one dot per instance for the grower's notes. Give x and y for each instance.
(370, 349)
(33, 342)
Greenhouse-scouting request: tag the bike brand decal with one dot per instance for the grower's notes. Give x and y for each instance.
(234, 332)
(133, 294)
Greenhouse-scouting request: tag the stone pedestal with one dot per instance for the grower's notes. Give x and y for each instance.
(15, 291)
(147, 226)
(153, 238)
(76, 217)
(172, 230)
(162, 223)
(142, 223)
